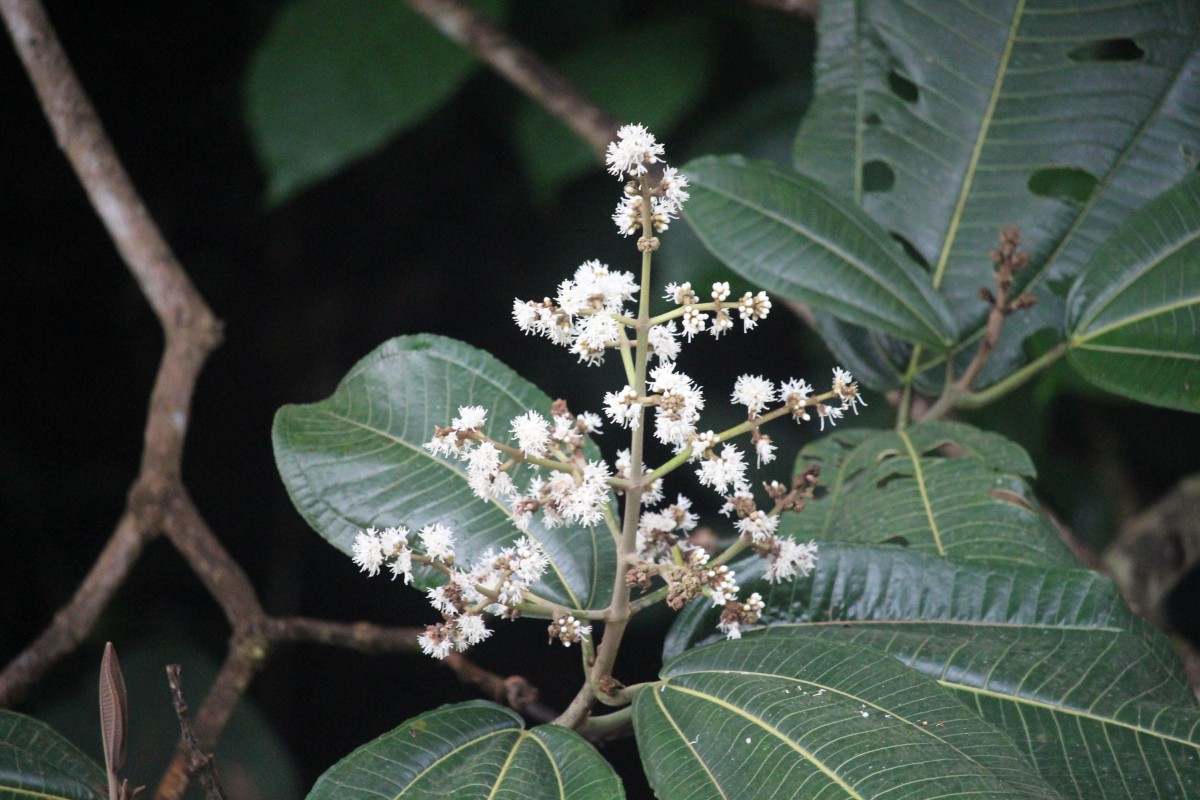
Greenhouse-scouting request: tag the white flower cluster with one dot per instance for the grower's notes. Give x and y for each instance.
(659, 531)
(568, 630)
(576, 492)
(580, 317)
(494, 584)
(751, 308)
(631, 155)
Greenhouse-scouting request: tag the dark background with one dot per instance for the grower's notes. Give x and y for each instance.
(436, 232)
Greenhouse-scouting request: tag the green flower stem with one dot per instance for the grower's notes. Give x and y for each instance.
(678, 312)
(618, 613)
(545, 609)
(681, 458)
(520, 455)
(731, 551)
(647, 600)
(626, 357)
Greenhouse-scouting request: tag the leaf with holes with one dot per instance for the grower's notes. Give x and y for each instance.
(1134, 314)
(36, 761)
(795, 238)
(356, 460)
(1094, 696)
(472, 750)
(944, 488)
(804, 716)
(946, 121)
(335, 79)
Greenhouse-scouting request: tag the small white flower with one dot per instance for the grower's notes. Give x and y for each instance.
(470, 418)
(759, 526)
(752, 308)
(664, 342)
(628, 216)
(532, 433)
(588, 422)
(732, 631)
(438, 542)
(525, 314)
(585, 502)
(754, 392)
(693, 321)
(622, 407)
(725, 472)
(794, 560)
(634, 148)
(831, 413)
(702, 445)
(531, 561)
(681, 294)
(764, 450)
(402, 565)
(469, 630)
(674, 187)
(436, 641)
(597, 331)
(847, 389)
(794, 393)
(368, 551)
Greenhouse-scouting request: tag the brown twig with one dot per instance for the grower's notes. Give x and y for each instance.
(523, 68)
(190, 329)
(200, 763)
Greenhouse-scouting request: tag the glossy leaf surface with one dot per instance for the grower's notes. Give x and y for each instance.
(797, 239)
(943, 488)
(1134, 314)
(1060, 118)
(37, 762)
(1095, 697)
(355, 460)
(804, 716)
(472, 750)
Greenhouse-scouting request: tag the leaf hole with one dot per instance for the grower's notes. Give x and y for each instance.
(1063, 183)
(902, 87)
(872, 119)
(877, 176)
(1012, 498)
(886, 480)
(912, 251)
(1107, 50)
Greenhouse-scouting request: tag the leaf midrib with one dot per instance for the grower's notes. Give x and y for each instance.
(973, 165)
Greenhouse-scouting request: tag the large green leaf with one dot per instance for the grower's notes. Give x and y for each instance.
(948, 120)
(811, 717)
(796, 238)
(355, 459)
(36, 762)
(472, 750)
(944, 488)
(1093, 695)
(680, 53)
(1134, 314)
(335, 79)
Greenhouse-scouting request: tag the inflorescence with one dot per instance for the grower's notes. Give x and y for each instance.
(563, 483)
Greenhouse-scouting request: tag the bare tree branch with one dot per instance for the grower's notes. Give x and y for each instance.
(189, 326)
(523, 68)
